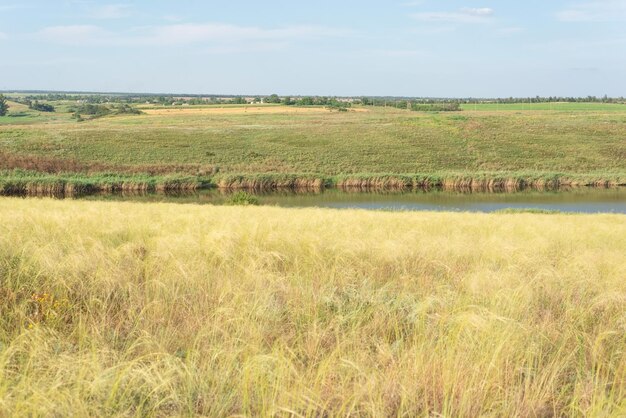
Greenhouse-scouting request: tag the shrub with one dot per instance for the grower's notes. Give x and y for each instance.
(4, 107)
(41, 107)
(125, 109)
(242, 199)
(92, 110)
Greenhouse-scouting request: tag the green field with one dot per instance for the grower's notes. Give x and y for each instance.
(580, 141)
(557, 106)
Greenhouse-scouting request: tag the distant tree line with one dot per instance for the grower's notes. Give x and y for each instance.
(401, 102)
(329, 102)
(342, 102)
(436, 107)
(419, 105)
(444, 104)
(550, 99)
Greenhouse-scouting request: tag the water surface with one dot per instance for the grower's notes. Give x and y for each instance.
(579, 200)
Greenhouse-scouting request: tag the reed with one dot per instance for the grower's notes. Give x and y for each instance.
(20, 182)
(478, 181)
(270, 181)
(122, 309)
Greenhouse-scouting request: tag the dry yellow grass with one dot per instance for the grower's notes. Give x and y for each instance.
(241, 110)
(161, 309)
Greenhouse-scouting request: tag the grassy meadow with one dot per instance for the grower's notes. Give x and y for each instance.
(547, 106)
(131, 309)
(243, 145)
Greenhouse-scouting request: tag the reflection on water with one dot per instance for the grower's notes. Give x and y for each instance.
(583, 200)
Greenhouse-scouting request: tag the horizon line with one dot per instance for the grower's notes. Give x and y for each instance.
(217, 95)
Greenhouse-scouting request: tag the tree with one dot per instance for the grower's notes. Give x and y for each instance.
(42, 107)
(307, 101)
(4, 106)
(273, 99)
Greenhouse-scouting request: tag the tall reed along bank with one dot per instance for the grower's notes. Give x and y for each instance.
(447, 181)
(127, 309)
(19, 182)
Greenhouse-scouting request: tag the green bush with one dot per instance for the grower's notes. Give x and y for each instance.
(125, 109)
(92, 110)
(242, 199)
(41, 107)
(4, 107)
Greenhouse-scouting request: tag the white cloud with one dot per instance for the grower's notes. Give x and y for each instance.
(511, 30)
(433, 30)
(10, 7)
(112, 11)
(465, 15)
(219, 37)
(246, 48)
(73, 34)
(575, 45)
(595, 11)
(481, 11)
(585, 69)
(173, 18)
(395, 53)
(199, 33)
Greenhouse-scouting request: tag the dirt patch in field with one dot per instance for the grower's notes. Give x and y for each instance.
(235, 110)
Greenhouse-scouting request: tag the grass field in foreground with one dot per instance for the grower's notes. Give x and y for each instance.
(257, 140)
(161, 309)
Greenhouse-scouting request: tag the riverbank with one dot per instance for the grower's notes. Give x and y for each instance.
(21, 182)
(312, 147)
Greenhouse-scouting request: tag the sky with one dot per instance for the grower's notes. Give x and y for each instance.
(423, 48)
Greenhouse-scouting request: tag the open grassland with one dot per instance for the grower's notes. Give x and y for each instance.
(232, 110)
(160, 309)
(554, 106)
(259, 144)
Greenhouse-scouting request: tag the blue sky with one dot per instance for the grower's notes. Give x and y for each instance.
(443, 48)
